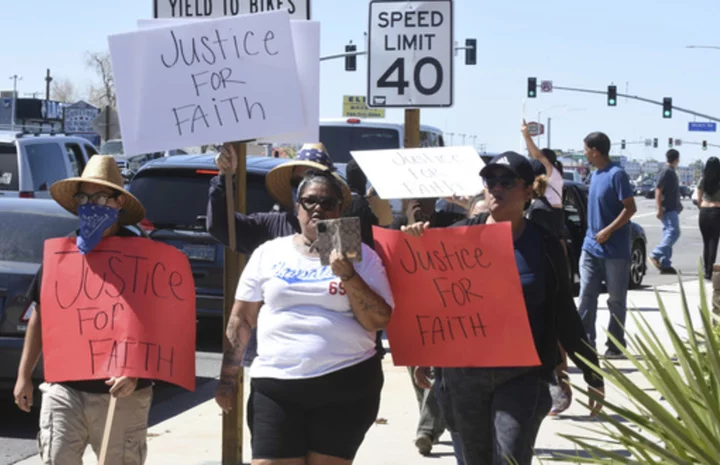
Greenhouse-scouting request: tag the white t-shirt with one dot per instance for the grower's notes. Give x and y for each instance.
(555, 187)
(306, 328)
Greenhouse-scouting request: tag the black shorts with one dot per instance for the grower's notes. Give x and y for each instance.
(327, 415)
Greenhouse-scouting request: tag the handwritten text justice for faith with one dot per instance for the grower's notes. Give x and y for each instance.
(219, 50)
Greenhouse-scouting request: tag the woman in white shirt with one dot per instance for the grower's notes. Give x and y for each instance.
(316, 380)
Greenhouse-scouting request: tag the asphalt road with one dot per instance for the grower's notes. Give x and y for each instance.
(18, 430)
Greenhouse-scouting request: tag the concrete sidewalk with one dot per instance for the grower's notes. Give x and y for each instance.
(194, 437)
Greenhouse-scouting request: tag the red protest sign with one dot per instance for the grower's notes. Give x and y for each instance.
(458, 298)
(125, 309)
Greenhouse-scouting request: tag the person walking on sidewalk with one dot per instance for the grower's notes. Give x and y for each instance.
(606, 249)
(316, 380)
(72, 414)
(669, 206)
(708, 200)
(498, 411)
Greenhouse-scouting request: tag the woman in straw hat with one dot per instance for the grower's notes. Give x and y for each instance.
(73, 414)
(317, 378)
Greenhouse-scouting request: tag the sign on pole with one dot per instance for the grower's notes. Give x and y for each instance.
(355, 106)
(306, 43)
(702, 126)
(410, 54)
(171, 97)
(546, 86)
(298, 9)
(107, 124)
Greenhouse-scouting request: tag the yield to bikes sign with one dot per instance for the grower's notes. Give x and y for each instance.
(410, 54)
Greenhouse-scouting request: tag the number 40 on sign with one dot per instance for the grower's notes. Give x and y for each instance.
(410, 54)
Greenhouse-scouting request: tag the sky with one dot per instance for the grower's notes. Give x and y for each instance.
(638, 45)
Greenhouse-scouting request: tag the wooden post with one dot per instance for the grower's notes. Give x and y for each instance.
(412, 136)
(232, 428)
(102, 459)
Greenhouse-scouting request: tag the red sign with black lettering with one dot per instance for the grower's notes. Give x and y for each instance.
(125, 309)
(458, 298)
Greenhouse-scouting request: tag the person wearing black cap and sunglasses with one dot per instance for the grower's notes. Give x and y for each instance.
(498, 411)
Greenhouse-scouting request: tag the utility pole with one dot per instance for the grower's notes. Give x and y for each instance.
(451, 134)
(15, 78)
(549, 145)
(48, 80)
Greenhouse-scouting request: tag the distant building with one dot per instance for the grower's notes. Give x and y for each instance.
(651, 167)
(633, 168)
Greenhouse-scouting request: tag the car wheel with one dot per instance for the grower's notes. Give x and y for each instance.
(637, 265)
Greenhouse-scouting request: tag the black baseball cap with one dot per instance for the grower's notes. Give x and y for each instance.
(514, 163)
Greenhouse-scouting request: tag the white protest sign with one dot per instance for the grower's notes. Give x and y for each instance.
(422, 173)
(306, 43)
(198, 9)
(206, 82)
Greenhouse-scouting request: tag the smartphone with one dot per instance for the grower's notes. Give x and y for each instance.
(342, 234)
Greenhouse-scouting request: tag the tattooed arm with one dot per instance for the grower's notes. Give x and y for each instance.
(243, 319)
(370, 309)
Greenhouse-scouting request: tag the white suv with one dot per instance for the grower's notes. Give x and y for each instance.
(31, 163)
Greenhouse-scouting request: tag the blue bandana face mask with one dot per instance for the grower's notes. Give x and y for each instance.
(94, 220)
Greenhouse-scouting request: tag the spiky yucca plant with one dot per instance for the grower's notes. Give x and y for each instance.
(684, 427)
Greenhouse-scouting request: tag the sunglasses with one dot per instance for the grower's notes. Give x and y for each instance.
(504, 181)
(325, 203)
(100, 198)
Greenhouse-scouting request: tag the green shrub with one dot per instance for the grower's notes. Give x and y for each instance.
(683, 427)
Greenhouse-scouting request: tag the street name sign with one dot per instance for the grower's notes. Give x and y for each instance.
(702, 126)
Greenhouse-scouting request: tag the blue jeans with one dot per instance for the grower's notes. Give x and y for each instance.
(497, 412)
(615, 272)
(671, 234)
(442, 402)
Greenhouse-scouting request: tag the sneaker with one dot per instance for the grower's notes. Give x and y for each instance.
(614, 354)
(655, 262)
(424, 444)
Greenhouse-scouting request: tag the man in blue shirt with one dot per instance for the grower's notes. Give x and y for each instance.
(606, 249)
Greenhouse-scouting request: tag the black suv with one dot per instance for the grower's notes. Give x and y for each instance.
(174, 191)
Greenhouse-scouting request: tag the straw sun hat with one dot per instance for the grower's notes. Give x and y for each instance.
(103, 171)
(313, 156)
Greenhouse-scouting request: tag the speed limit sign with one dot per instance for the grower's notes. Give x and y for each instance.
(410, 54)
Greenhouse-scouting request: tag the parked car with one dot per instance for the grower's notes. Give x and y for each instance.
(646, 189)
(31, 163)
(575, 197)
(686, 192)
(25, 225)
(174, 191)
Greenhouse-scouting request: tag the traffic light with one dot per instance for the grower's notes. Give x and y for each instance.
(670, 142)
(667, 107)
(612, 96)
(622, 144)
(655, 143)
(470, 51)
(704, 145)
(350, 60)
(532, 87)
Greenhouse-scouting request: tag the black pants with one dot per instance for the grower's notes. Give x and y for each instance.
(710, 229)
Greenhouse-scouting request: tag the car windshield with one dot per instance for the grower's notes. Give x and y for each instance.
(177, 198)
(112, 147)
(340, 140)
(24, 233)
(8, 168)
